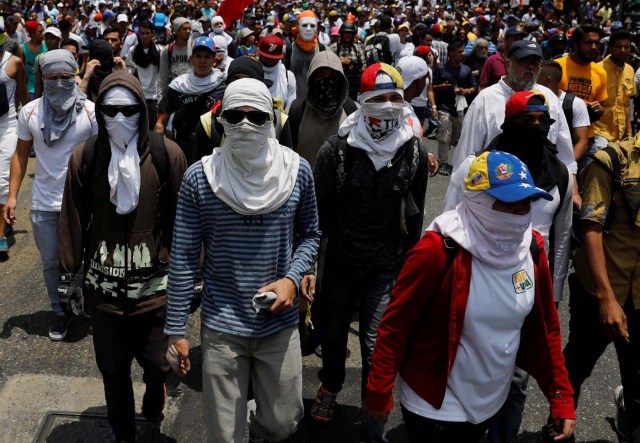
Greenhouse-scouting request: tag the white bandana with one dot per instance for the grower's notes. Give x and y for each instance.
(124, 166)
(189, 83)
(278, 75)
(251, 172)
(500, 239)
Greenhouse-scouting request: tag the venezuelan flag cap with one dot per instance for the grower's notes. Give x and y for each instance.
(380, 78)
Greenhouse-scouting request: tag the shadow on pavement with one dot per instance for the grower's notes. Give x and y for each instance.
(346, 420)
(38, 324)
(538, 437)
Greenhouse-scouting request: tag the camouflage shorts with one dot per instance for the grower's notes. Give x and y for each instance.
(450, 127)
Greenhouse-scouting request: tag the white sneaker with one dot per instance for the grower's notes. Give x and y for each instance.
(621, 424)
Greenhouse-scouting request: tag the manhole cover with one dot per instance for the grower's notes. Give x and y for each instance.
(73, 427)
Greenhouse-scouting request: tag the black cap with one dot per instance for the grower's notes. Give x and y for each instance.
(515, 30)
(524, 48)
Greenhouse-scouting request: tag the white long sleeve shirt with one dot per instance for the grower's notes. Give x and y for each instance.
(486, 114)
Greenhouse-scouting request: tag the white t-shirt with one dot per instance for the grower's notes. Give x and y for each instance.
(580, 112)
(499, 301)
(52, 161)
(148, 76)
(421, 100)
(485, 115)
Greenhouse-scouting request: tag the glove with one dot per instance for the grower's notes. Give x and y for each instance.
(71, 298)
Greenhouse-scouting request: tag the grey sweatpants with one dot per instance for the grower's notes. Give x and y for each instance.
(273, 364)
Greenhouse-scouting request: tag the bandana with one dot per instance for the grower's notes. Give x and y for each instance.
(189, 83)
(145, 57)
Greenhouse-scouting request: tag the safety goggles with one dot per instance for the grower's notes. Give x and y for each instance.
(235, 116)
(127, 111)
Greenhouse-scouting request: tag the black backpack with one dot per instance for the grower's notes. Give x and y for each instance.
(567, 109)
(377, 50)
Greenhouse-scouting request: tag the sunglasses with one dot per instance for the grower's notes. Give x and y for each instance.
(127, 111)
(235, 116)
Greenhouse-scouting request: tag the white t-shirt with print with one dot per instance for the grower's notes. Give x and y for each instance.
(52, 161)
(499, 301)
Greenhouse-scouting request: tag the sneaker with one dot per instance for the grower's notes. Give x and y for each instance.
(153, 403)
(621, 423)
(4, 244)
(323, 408)
(432, 133)
(445, 169)
(58, 329)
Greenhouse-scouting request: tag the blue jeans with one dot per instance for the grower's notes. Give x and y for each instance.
(45, 233)
(506, 423)
(344, 288)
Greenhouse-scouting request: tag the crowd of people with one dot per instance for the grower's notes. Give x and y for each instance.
(268, 166)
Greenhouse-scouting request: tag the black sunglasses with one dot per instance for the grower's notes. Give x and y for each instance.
(127, 111)
(235, 116)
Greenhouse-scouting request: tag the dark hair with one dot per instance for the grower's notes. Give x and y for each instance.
(454, 46)
(70, 42)
(110, 30)
(581, 31)
(619, 35)
(385, 22)
(146, 25)
(553, 69)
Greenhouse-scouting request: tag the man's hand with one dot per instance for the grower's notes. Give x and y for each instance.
(285, 291)
(119, 63)
(9, 212)
(433, 165)
(613, 320)
(566, 424)
(178, 355)
(378, 416)
(308, 287)
(345, 61)
(596, 107)
(91, 65)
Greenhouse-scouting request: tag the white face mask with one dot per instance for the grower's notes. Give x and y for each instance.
(307, 28)
(382, 119)
(122, 130)
(246, 140)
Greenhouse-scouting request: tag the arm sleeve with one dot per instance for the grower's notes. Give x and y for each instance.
(418, 192)
(307, 227)
(185, 255)
(291, 90)
(580, 114)
(324, 173)
(176, 172)
(23, 122)
(562, 240)
(473, 134)
(164, 73)
(71, 250)
(484, 74)
(456, 185)
(562, 139)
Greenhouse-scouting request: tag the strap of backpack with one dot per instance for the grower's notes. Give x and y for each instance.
(563, 185)
(349, 106)
(450, 249)
(287, 56)
(159, 157)
(535, 250)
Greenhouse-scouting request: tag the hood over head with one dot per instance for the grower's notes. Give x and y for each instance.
(123, 78)
(316, 95)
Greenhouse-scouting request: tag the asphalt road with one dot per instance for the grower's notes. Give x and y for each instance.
(37, 375)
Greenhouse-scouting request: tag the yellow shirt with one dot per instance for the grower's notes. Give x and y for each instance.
(621, 87)
(589, 82)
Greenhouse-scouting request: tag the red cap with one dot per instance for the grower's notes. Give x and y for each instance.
(521, 102)
(271, 47)
(436, 27)
(422, 50)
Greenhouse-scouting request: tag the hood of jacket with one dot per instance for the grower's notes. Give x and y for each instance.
(123, 78)
(327, 59)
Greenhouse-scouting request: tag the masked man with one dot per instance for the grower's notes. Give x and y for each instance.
(126, 181)
(251, 205)
(54, 124)
(371, 181)
(283, 87)
(300, 53)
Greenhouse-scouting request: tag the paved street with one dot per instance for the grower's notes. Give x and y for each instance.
(37, 375)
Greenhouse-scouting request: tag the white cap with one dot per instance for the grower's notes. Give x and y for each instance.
(53, 31)
(411, 68)
(60, 5)
(122, 18)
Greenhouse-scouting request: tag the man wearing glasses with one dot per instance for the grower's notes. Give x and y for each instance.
(117, 216)
(252, 206)
(53, 125)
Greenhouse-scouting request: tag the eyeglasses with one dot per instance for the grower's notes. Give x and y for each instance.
(235, 116)
(127, 111)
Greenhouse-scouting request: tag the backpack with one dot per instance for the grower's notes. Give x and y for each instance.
(288, 50)
(169, 53)
(377, 50)
(567, 109)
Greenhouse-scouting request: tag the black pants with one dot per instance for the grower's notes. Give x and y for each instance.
(426, 430)
(587, 342)
(117, 340)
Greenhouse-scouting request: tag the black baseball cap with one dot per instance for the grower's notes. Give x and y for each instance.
(524, 48)
(515, 30)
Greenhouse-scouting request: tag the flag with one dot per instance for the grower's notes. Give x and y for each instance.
(231, 10)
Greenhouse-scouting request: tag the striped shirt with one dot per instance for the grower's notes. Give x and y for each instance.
(243, 253)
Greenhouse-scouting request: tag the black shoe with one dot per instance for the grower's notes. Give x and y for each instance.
(58, 328)
(445, 169)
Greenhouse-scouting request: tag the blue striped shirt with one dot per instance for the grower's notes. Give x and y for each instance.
(243, 253)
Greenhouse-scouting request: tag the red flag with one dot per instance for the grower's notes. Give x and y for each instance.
(231, 10)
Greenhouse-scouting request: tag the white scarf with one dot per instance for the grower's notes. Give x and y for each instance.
(251, 172)
(278, 75)
(189, 83)
(124, 166)
(500, 239)
(381, 150)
